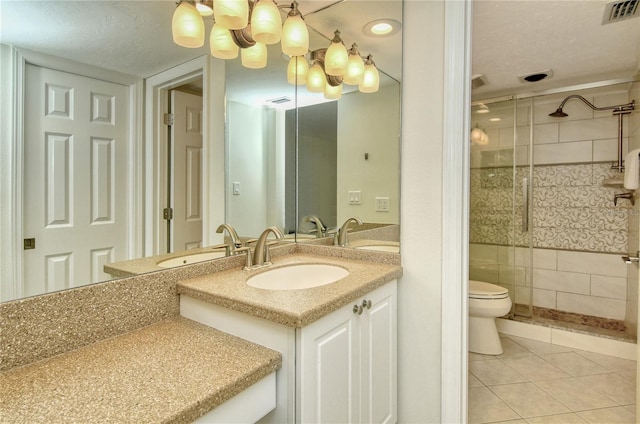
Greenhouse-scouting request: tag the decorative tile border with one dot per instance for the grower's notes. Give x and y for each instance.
(571, 208)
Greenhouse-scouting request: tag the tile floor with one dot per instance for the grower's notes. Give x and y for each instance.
(535, 382)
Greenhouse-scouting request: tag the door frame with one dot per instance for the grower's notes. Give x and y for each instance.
(12, 235)
(212, 73)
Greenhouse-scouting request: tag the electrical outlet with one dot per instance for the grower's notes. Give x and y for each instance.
(382, 204)
(354, 197)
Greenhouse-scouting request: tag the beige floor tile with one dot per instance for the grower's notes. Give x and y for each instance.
(557, 419)
(574, 364)
(495, 372)
(613, 386)
(528, 400)
(539, 348)
(576, 394)
(535, 368)
(624, 367)
(617, 415)
(473, 381)
(478, 357)
(512, 349)
(485, 406)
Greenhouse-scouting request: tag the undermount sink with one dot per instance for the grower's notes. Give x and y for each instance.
(381, 247)
(191, 259)
(296, 277)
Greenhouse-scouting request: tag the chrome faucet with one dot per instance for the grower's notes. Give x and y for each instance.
(236, 243)
(261, 253)
(321, 230)
(342, 233)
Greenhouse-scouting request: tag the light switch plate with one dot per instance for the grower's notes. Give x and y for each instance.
(382, 204)
(236, 188)
(354, 197)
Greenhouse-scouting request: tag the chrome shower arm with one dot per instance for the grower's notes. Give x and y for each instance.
(616, 108)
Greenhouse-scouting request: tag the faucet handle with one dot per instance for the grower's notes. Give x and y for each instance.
(248, 261)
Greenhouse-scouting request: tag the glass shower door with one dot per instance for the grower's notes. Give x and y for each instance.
(500, 250)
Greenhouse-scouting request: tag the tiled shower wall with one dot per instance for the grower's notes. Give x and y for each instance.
(578, 233)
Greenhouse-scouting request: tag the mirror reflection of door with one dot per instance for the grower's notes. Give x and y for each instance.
(75, 161)
(185, 172)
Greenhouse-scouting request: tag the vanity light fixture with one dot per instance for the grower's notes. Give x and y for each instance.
(371, 78)
(187, 26)
(297, 70)
(478, 136)
(247, 26)
(336, 57)
(205, 7)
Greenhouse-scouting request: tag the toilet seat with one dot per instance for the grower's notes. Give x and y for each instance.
(482, 290)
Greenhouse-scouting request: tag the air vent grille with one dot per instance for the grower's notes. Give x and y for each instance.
(279, 100)
(620, 10)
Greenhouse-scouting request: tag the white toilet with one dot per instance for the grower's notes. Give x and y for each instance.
(486, 303)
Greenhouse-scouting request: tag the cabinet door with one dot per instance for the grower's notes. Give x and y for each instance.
(378, 330)
(328, 377)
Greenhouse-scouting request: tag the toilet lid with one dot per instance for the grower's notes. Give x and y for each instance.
(483, 290)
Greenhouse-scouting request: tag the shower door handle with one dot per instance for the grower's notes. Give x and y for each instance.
(525, 205)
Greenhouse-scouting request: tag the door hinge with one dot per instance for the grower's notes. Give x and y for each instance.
(167, 214)
(168, 119)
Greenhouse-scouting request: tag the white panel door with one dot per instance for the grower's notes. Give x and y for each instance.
(186, 187)
(75, 169)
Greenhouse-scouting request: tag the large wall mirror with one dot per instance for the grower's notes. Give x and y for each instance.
(290, 156)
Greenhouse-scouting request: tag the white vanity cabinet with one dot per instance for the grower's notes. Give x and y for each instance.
(346, 363)
(339, 368)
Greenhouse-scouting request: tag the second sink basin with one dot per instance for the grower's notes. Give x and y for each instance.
(296, 277)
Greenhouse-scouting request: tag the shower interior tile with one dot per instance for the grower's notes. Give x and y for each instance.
(607, 149)
(591, 263)
(574, 364)
(592, 305)
(485, 406)
(571, 282)
(545, 258)
(545, 133)
(612, 287)
(528, 400)
(545, 298)
(576, 152)
(591, 129)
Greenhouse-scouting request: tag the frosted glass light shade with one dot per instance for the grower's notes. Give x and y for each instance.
(205, 7)
(355, 70)
(316, 79)
(254, 57)
(336, 58)
(331, 92)
(297, 66)
(187, 26)
(371, 78)
(295, 36)
(221, 44)
(232, 14)
(266, 23)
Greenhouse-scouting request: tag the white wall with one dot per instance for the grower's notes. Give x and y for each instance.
(419, 290)
(369, 123)
(247, 141)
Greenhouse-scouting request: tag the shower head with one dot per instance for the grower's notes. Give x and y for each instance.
(559, 113)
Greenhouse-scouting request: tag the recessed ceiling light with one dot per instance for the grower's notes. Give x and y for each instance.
(494, 119)
(382, 27)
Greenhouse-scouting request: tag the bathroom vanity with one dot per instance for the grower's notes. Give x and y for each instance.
(338, 341)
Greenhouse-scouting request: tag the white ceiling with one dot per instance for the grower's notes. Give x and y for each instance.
(510, 38)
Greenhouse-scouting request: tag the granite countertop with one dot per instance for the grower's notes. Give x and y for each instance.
(293, 308)
(173, 371)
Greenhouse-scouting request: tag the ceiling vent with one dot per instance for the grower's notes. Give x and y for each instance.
(617, 11)
(279, 100)
(478, 80)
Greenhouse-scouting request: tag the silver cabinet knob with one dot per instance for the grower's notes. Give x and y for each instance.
(357, 309)
(366, 304)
